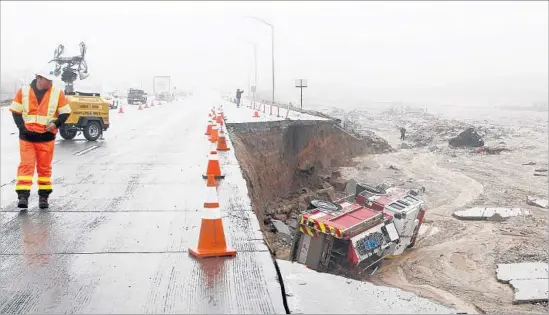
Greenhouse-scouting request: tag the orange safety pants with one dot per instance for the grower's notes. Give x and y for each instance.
(37, 155)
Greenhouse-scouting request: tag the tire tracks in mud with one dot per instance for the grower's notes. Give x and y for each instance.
(460, 191)
(424, 166)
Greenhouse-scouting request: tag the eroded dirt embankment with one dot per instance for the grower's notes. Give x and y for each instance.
(286, 165)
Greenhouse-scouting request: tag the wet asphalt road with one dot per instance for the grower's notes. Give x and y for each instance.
(122, 216)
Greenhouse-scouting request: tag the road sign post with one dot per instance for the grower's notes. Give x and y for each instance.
(301, 83)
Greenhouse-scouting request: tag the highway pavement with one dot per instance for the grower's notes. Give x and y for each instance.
(122, 216)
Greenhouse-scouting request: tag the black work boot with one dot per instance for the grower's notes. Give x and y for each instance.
(43, 202)
(23, 202)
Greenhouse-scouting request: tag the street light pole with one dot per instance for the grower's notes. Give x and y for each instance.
(273, 65)
(255, 69)
(272, 51)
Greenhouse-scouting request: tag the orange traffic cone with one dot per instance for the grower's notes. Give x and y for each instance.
(139, 108)
(211, 181)
(213, 168)
(209, 128)
(146, 105)
(256, 114)
(214, 135)
(222, 142)
(121, 110)
(211, 241)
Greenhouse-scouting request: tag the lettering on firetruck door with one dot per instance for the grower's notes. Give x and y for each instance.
(304, 249)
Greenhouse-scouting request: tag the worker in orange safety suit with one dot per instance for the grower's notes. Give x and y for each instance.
(38, 110)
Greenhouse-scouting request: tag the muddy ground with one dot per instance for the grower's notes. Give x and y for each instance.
(455, 262)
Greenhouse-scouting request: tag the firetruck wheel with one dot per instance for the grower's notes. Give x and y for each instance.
(92, 131)
(67, 134)
(373, 190)
(322, 204)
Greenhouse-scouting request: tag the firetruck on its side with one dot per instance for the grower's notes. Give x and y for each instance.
(359, 230)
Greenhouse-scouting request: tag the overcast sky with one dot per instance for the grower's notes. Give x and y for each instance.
(380, 51)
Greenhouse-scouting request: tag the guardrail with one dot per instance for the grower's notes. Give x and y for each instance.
(347, 131)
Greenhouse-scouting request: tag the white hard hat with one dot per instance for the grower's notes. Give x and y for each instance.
(47, 72)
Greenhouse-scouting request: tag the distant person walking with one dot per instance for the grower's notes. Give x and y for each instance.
(238, 96)
(402, 133)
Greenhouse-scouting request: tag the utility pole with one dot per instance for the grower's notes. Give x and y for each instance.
(301, 83)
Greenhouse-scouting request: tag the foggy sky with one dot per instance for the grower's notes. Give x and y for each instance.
(348, 51)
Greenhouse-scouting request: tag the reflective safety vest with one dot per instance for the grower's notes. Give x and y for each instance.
(37, 116)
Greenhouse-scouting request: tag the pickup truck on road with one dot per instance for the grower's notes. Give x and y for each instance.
(136, 96)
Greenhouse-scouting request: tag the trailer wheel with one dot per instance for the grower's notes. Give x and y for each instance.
(92, 131)
(68, 134)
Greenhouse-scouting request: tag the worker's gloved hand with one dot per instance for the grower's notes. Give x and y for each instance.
(51, 127)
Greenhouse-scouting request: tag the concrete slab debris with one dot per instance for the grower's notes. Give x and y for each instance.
(282, 230)
(307, 293)
(543, 203)
(350, 189)
(521, 271)
(530, 291)
(529, 280)
(490, 214)
(426, 230)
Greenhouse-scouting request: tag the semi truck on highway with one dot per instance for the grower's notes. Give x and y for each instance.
(162, 89)
(359, 230)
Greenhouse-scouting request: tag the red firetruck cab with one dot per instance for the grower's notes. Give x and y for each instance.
(360, 231)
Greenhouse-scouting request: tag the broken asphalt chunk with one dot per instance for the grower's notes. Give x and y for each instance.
(489, 214)
(529, 280)
(542, 203)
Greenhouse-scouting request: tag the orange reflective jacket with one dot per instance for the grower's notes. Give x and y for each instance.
(38, 116)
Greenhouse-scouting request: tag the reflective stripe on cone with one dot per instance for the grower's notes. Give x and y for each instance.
(214, 167)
